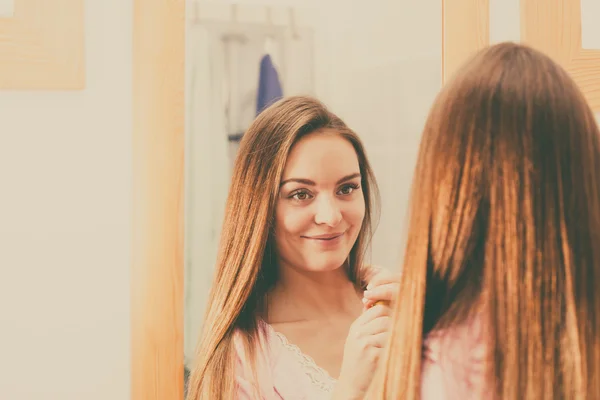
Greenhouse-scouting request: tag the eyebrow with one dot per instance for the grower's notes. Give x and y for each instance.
(312, 183)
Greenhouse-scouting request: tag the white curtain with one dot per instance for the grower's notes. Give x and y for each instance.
(207, 172)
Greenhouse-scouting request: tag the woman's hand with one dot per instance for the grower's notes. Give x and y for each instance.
(362, 351)
(368, 334)
(383, 285)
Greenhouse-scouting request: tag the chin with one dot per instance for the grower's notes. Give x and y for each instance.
(325, 264)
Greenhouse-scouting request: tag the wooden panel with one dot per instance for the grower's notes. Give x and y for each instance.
(553, 26)
(42, 46)
(158, 168)
(465, 30)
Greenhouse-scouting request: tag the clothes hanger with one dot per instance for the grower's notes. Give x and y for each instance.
(235, 33)
(270, 44)
(293, 26)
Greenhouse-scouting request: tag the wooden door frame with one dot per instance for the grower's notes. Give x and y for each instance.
(158, 200)
(556, 32)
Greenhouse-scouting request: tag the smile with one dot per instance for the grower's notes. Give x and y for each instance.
(325, 238)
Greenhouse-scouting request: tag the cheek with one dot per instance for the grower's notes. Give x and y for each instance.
(354, 212)
(292, 220)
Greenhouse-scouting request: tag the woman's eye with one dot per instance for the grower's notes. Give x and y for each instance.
(301, 196)
(347, 189)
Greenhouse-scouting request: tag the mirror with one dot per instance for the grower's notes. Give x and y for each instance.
(376, 64)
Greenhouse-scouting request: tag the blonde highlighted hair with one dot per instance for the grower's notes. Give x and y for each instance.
(505, 220)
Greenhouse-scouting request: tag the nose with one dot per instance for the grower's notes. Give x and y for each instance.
(328, 212)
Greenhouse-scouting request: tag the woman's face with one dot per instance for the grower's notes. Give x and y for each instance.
(321, 207)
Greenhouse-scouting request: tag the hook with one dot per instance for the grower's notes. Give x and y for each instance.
(269, 16)
(271, 26)
(270, 40)
(235, 34)
(234, 13)
(196, 12)
(270, 23)
(293, 26)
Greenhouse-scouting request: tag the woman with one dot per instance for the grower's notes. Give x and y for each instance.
(499, 291)
(297, 225)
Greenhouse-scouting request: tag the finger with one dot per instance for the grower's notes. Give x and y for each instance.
(377, 311)
(367, 304)
(379, 340)
(370, 303)
(387, 292)
(377, 326)
(383, 277)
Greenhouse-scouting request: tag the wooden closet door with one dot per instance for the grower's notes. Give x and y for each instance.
(552, 26)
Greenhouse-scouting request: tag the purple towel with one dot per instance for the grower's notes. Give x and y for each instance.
(269, 87)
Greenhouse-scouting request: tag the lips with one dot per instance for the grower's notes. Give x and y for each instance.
(326, 237)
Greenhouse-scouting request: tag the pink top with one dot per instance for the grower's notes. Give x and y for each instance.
(285, 373)
(454, 364)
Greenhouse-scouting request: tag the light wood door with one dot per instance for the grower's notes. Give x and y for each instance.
(553, 26)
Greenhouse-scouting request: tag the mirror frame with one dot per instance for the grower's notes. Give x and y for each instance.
(158, 199)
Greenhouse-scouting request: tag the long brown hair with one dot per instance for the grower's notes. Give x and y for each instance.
(505, 222)
(246, 266)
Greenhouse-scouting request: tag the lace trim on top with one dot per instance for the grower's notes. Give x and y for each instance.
(318, 376)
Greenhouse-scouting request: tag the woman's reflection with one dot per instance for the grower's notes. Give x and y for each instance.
(290, 267)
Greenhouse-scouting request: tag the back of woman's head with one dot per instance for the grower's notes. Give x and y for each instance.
(246, 266)
(505, 224)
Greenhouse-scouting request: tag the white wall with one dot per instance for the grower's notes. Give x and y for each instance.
(65, 179)
(380, 70)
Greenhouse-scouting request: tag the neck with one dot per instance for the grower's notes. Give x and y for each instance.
(305, 295)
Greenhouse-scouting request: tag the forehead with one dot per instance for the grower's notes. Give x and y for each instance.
(321, 155)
